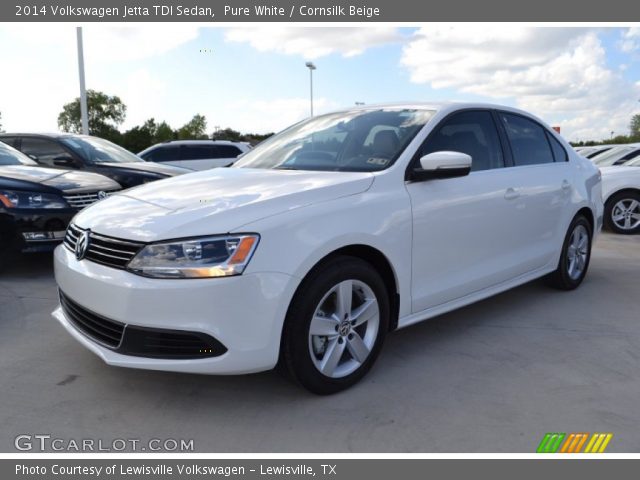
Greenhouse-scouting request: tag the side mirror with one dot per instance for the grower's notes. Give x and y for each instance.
(64, 161)
(444, 164)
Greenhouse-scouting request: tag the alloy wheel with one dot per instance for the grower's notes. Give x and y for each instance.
(344, 328)
(626, 214)
(577, 252)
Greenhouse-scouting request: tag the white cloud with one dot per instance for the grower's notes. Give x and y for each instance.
(558, 73)
(41, 73)
(630, 42)
(312, 43)
(263, 116)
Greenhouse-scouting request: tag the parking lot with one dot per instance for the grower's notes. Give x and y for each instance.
(491, 377)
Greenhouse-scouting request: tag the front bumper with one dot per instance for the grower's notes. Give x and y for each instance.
(244, 313)
(36, 230)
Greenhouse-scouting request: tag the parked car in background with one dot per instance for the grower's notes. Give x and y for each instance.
(195, 154)
(36, 203)
(590, 152)
(614, 155)
(325, 237)
(91, 154)
(621, 195)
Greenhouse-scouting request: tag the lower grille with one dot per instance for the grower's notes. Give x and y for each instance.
(104, 331)
(140, 341)
(108, 251)
(82, 200)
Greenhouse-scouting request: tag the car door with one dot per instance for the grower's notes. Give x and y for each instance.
(543, 184)
(466, 230)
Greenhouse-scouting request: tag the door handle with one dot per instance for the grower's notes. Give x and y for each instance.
(511, 194)
(566, 186)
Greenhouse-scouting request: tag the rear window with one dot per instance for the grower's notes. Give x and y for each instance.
(162, 154)
(227, 151)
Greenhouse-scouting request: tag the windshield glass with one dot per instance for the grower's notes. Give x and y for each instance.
(610, 156)
(355, 141)
(98, 150)
(11, 156)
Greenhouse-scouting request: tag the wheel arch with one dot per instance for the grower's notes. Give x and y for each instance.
(378, 260)
(622, 190)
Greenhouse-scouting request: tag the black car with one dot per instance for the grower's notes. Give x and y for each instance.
(91, 154)
(36, 204)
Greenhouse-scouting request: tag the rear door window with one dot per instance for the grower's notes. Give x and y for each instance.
(528, 140)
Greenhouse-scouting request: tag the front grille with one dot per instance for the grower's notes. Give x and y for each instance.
(82, 200)
(108, 251)
(104, 331)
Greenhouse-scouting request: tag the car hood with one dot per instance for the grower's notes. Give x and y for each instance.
(619, 171)
(150, 167)
(68, 181)
(214, 201)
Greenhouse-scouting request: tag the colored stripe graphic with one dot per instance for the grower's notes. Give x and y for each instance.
(550, 442)
(598, 443)
(574, 442)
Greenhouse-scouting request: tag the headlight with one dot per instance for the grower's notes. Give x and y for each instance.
(16, 199)
(219, 256)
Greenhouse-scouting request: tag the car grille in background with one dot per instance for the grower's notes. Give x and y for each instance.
(108, 251)
(104, 331)
(82, 200)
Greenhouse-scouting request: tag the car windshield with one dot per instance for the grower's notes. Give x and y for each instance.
(11, 156)
(611, 156)
(98, 150)
(353, 141)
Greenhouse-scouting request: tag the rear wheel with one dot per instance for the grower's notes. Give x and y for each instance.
(336, 325)
(622, 213)
(575, 256)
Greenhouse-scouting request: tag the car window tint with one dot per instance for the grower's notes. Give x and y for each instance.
(473, 133)
(44, 150)
(11, 141)
(227, 151)
(162, 154)
(529, 143)
(559, 153)
(196, 152)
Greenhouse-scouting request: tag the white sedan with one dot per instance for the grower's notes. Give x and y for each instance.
(621, 195)
(326, 237)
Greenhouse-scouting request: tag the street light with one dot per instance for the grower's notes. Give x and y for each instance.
(84, 115)
(311, 68)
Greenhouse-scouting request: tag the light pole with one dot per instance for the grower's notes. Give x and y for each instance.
(311, 68)
(84, 114)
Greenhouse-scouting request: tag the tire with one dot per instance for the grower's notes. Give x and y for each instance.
(622, 213)
(575, 256)
(343, 351)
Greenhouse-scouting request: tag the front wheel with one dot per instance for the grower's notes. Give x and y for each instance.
(622, 213)
(575, 256)
(336, 325)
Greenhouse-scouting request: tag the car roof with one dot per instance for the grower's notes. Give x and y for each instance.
(198, 142)
(43, 134)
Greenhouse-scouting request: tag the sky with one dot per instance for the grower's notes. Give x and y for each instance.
(254, 79)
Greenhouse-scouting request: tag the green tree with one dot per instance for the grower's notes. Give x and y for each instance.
(106, 114)
(634, 126)
(194, 129)
(164, 133)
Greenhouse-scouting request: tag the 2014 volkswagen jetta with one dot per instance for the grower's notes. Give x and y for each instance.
(320, 241)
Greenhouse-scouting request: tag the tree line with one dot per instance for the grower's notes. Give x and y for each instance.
(633, 137)
(106, 113)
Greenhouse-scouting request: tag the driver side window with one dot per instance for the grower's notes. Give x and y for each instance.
(472, 132)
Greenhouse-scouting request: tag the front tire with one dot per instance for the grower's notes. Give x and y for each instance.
(575, 256)
(335, 325)
(622, 213)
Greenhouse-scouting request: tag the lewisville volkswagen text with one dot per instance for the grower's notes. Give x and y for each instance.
(321, 240)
